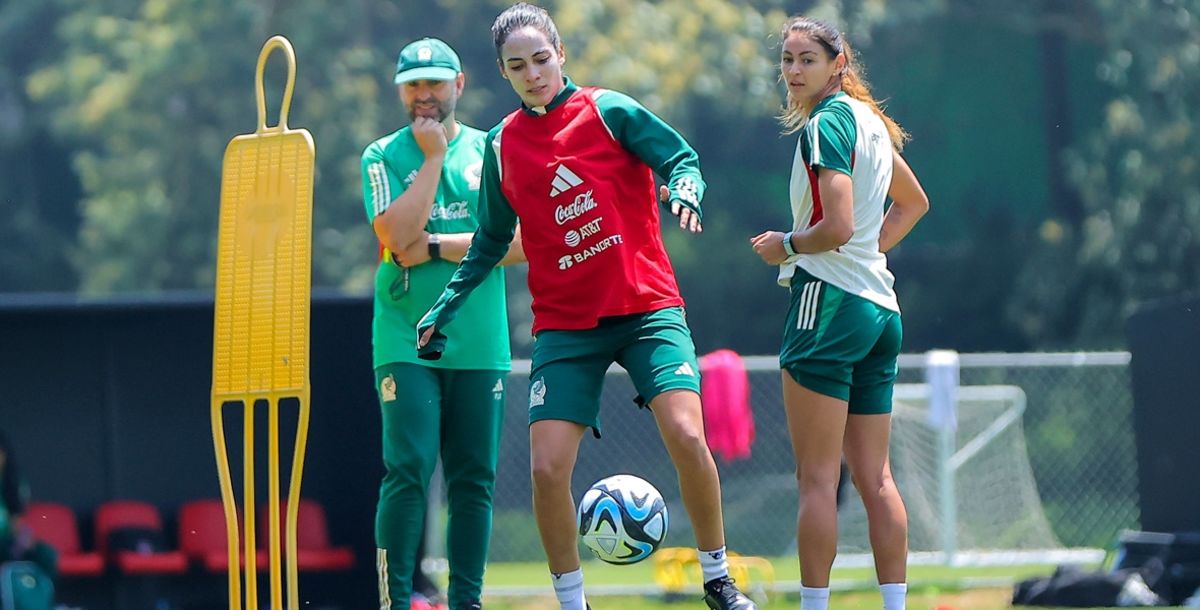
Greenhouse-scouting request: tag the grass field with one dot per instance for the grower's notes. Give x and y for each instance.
(524, 586)
(981, 599)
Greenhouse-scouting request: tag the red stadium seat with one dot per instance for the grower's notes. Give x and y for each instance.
(202, 535)
(55, 524)
(142, 522)
(314, 553)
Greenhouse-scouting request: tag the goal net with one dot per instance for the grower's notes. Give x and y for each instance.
(977, 492)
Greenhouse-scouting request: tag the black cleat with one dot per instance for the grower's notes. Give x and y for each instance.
(471, 606)
(722, 594)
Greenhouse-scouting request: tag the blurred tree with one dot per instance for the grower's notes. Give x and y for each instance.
(141, 88)
(152, 92)
(136, 101)
(684, 58)
(1137, 173)
(38, 190)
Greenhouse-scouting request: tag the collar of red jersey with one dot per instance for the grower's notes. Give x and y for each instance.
(569, 87)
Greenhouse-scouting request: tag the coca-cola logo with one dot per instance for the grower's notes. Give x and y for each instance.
(456, 210)
(582, 204)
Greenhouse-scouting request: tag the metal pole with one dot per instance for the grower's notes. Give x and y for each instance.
(941, 373)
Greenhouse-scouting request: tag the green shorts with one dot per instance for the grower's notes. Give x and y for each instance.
(568, 367)
(841, 345)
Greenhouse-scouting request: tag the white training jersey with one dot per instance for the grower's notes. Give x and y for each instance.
(843, 134)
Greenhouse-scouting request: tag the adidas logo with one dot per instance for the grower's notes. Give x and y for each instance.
(564, 180)
(686, 370)
(499, 387)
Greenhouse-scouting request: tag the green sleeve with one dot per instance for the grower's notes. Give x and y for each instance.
(497, 226)
(829, 139)
(380, 187)
(656, 143)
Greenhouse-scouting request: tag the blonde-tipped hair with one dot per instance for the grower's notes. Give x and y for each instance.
(795, 113)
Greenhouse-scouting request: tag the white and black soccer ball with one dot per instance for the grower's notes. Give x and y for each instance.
(622, 519)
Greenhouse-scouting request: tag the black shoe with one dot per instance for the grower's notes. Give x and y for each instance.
(722, 594)
(471, 606)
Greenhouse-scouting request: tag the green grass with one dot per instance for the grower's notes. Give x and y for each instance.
(919, 599)
(930, 587)
(988, 599)
(786, 569)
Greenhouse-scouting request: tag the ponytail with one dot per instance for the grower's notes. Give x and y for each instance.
(856, 86)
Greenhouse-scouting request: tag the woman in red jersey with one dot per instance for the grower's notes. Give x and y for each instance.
(576, 165)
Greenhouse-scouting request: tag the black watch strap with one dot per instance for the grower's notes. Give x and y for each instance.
(435, 246)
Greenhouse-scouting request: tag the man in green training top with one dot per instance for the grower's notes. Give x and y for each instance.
(420, 187)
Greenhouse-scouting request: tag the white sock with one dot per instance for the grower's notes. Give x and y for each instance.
(568, 588)
(814, 598)
(893, 595)
(713, 564)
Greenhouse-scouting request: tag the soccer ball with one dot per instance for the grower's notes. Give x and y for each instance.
(622, 519)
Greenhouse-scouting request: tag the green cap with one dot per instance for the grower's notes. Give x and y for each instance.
(427, 59)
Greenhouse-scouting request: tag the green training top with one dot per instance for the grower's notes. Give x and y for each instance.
(389, 165)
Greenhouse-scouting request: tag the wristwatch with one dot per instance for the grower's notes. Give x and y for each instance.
(435, 246)
(788, 248)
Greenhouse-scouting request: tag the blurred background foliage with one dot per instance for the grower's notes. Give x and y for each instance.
(1056, 138)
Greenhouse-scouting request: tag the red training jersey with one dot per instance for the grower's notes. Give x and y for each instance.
(589, 217)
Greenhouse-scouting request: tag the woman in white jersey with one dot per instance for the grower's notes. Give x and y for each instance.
(842, 334)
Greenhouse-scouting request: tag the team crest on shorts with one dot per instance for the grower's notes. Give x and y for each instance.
(537, 393)
(387, 388)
